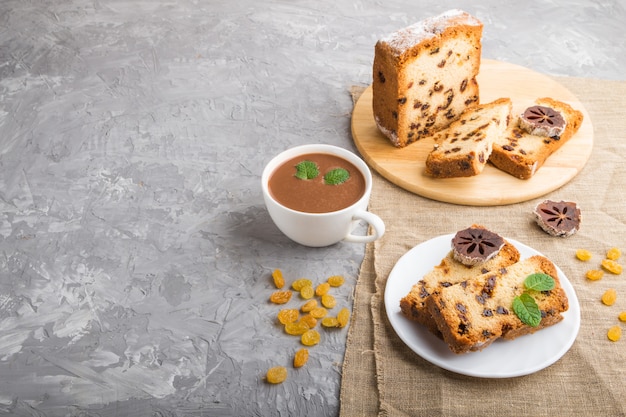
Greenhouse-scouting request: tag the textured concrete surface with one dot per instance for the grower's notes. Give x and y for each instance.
(135, 248)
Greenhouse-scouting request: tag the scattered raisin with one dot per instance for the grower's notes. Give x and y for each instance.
(300, 358)
(612, 266)
(583, 254)
(301, 283)
(276, 375)
(336, 281)
(288, 316)
(277, 276)
(330, 322)
(322, 289)
(310, 338)
(308, 306)
(328, 301)
(318, 312)
(614, 333)
(280, 297)
(594, 274)
(609, 297)
(613, 254)
(309, 320)
(343, 317)
(307, 292)
(297, 328)
(303, 326)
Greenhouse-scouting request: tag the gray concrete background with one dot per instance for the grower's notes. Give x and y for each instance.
(135, 251)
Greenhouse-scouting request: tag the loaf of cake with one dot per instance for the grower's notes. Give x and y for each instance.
(424, 76)
(521, 153)
(473, 314)
(463, 148)
(448, 273)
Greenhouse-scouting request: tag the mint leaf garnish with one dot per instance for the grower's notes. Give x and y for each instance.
(336, 176)
(527, 310)
(539, 282)
(307, 170)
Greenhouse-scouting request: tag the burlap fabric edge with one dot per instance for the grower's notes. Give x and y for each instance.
(395, 381)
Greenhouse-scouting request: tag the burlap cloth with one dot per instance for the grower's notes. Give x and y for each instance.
(382, 376)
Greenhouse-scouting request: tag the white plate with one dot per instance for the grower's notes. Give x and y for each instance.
(502, 359)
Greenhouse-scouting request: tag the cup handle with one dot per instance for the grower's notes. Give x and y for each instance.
(374, 221)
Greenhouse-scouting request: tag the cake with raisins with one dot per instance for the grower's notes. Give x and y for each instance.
(463, 148)
(473, 314)
(424, 76)
(450, 272)
(526, 146)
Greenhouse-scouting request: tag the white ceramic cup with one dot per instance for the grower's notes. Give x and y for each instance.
(322, 229)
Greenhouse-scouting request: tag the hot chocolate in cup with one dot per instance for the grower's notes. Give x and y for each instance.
(318, 194)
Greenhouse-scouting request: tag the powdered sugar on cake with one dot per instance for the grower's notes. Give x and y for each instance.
(403, 39)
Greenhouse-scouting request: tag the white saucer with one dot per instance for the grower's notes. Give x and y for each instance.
(502, 359)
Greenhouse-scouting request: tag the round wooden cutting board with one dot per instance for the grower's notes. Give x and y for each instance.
(405, 166)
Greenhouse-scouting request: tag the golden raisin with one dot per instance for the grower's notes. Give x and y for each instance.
(288, 316)
(297, 328)
(318, 312)
(307, 292)
(280, 297)
(277, 276)
(622, 316)
(609, 297)
(583, 254)
(301, 283)
(613, 254)
(308, 306)
(276, 375)
(328, 301)
(330, 322)
(322, 289)
(343, 317)
(336, 281)
(309, 320)
(612, 266)
(594, 274)
(300, 358)
(614, 333)
(310, 338)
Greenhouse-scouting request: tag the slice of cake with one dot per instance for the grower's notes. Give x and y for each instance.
(473, 314)
(424, 76)
(448, 273)
(462, 149)
(525, 146)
